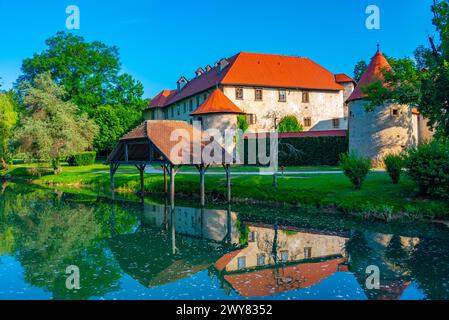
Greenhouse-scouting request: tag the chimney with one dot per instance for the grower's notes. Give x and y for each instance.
(182, 83)
(208, 68)
(199, 72)
(222, 64)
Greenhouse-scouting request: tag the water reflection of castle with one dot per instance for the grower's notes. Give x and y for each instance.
(255, 259)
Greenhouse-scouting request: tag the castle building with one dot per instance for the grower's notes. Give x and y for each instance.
(264, 88)
(390, 128)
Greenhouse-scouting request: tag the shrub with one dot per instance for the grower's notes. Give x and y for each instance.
(394, 165)
(355, 168)
(428, 166)
(290, 124)
(82, 159)
(314, 151)
(242, 122)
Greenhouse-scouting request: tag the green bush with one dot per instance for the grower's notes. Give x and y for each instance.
(290, 124)
(428, 166)
(82, 159)
(313, 151)
(355, 168)
(394, 165)
(242, 122)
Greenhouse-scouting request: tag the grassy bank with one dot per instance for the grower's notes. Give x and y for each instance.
(378, 198)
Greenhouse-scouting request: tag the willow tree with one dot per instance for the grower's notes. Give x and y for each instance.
(8, 119)
(52, 128)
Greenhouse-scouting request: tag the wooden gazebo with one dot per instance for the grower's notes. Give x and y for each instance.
(170, 144)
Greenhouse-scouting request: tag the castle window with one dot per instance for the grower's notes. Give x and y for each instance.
(284, 256)
(305, 97)
(241, 263)
(307, 253)
(239, 93)
(185, 107)
(178, 110)
(251, 119)
(197, 101)
(336, 123)
(260, 260)
(252, 236)
(191, 105)
(165, 114)
(258, 95)
(307, 122)
(394, 111)
(282, 95)
(172, 111)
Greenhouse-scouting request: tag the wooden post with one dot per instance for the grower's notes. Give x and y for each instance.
(202, 187)
(228, 181)
(229, 224)
(165, 179)
(142, 182)
(113, 170)
(172, 187)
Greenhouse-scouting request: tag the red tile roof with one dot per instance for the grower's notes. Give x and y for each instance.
(279, 71)
(342, 78)
(372, 73)
(263, 283)
(258, 70)
(217, 102)
(161, 99)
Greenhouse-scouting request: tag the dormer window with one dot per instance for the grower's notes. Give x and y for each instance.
(182, 82)
(222, 64)
(199, 72)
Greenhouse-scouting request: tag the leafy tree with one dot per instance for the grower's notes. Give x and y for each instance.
(89, 74)
(242, 122)
(110, 125)
(359, 70)
(8, 120)
(290, 124)
(423, 82)
(51, 129)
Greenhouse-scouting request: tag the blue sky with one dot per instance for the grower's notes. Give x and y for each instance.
(161, 40)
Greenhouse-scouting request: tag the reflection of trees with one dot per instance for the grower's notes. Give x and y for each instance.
(429, 266)
(51, 234)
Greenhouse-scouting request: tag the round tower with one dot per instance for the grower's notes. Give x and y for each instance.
(389, 129)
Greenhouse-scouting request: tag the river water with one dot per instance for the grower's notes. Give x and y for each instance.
(140, 249)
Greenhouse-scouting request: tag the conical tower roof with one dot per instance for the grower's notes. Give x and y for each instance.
(372, 73)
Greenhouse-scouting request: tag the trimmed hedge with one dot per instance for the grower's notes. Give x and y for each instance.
(82, 159)
(308, 151)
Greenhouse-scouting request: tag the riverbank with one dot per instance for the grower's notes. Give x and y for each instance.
(379, 198)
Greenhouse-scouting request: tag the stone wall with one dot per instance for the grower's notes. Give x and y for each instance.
(388, 129)
(322, 108)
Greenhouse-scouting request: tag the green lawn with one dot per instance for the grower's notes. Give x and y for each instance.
(377, 197)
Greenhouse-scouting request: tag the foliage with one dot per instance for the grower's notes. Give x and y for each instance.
(242, 122)
(422, 82)
(307, 151)
(355, 167)
(394, 164)
(89, 74)
(428, 166)
(51, 129)
(8, 120)
(82, 159)
(359, 70)
(290, 124)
